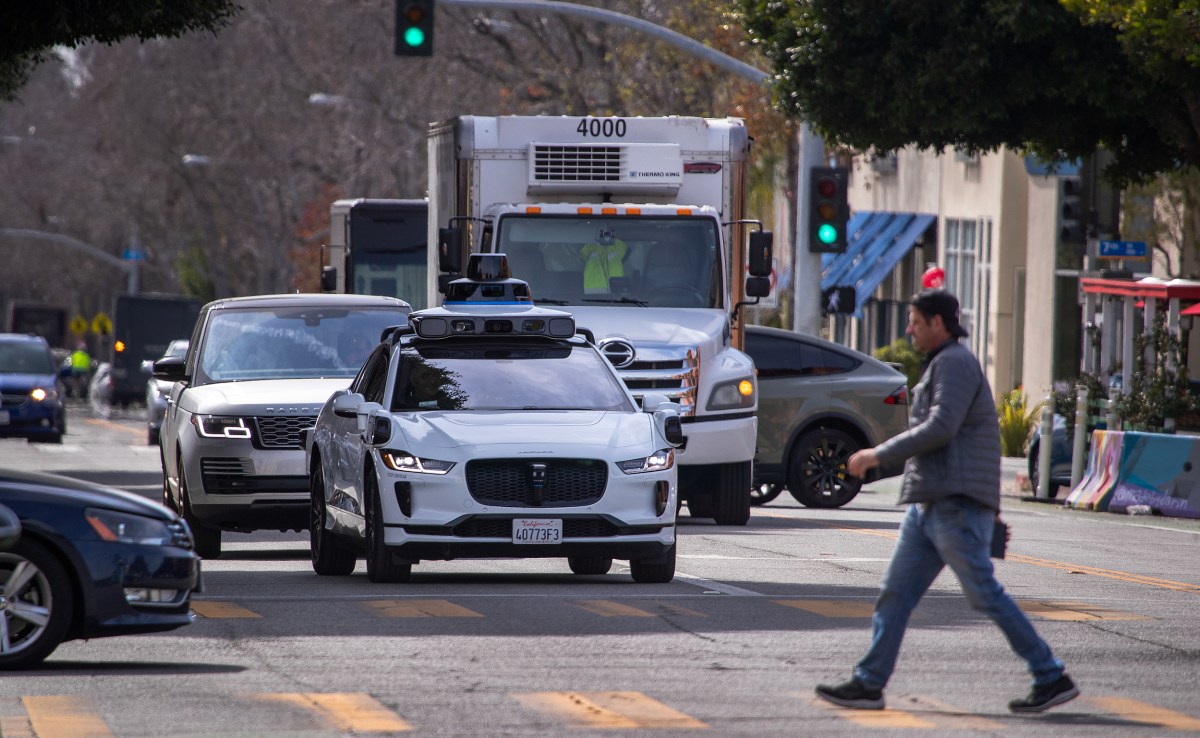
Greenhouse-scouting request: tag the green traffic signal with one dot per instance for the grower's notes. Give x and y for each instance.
(414, 28)
(414, 37)
(827, 233)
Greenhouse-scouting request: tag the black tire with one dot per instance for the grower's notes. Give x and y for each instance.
(658, 570)
(732, 503)
(205, 538)
(764, 493)
(380, 566)
(151, 437)
(700, 506)
(45, 591)
(589, 564)
(817, 476)
(330, 555)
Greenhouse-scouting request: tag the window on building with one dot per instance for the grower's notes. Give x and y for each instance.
(968, 275)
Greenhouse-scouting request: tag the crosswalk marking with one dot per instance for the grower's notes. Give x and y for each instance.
(610, 609)
(1144, 712)
(832, 608)
(1075, 611)
(352, 712)
(886, 718)
(215, 609)
(947, 716)
(63, 716)
(608, 710)
(419, 609)
(670, 608)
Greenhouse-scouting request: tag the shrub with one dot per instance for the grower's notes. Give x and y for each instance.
(1016, 422)
(901, 352)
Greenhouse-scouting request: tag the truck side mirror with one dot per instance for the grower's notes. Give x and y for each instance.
(328, 279)
(450, 250)
(760, 254)
(758, 286)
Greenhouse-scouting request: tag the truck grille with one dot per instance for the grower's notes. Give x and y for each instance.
(670, 370)
(282, 431)
(508, 483)
(571, 163)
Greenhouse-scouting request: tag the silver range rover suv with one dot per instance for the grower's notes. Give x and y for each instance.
(257, 371)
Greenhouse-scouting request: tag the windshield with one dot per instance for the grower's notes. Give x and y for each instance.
(648, 261)
(390, 274)
(25, 357)
(506, 376)
(290, 343)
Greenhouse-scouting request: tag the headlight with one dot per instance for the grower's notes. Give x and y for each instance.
(123, 528)
(221, 426)
(732, 395)
(658, 461)
(42, 394)
(406, 462)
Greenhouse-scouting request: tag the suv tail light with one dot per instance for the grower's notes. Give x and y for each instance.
(899, 397)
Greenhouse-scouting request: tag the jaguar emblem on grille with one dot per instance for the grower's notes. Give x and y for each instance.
(617, 351)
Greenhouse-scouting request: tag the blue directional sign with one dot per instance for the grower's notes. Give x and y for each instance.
(1122, 250)
(133, 255)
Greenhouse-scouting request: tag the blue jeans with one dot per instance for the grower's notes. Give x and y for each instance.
(957, 532)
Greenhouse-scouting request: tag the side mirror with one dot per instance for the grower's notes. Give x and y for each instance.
(346, 406)
(759, 253)
(328, 279)
(450, 242)
(652, 400)
(381, 430)
(10, 528)
(365, 413)
(673, 431)
(170, 369)
(758, 286)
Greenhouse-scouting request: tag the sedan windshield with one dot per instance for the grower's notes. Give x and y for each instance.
(506, 376)
(25, 357)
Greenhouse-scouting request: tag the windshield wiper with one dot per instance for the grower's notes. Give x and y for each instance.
(617, 301)
(549, 302)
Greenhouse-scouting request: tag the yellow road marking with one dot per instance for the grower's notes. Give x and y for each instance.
(885, 718)
(670, 608)
(352, 712)
(61, 716)
(16, 727)
(1075, 611)
(214, 609)
(608, 710)
(610, 609)
(115, 426)
(947, 716)
(832, 608)
(1144, 712)
(419, 609)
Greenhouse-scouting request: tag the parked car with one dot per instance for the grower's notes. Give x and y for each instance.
(31, 390)
(819, 402)
(158, 390)
(256, 373)
(493, 431)
(87, 561)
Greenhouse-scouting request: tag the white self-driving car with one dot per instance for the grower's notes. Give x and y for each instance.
(255, 374)
(492, 430)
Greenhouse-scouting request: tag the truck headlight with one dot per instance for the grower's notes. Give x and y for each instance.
(732, 395)
(123, 528)
(221, 426)
(660, 460)
(406, 462)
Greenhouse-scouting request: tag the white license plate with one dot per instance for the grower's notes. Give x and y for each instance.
(537, 530)
(3, 417)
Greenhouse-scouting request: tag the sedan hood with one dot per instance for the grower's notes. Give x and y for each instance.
(265, 397)
(33, 486)
(536, 432)
(14, 383)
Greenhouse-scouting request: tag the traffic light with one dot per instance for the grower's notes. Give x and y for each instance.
(414, 27)
(1072, 222)
(829, 209)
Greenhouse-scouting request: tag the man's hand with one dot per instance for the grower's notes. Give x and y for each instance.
(862, 462)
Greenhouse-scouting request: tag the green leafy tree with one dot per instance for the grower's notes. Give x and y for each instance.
(30, 30)
(1054, 79)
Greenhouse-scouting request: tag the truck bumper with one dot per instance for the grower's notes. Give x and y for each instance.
(718, 441)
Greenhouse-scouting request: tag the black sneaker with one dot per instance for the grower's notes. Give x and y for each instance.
(852, 694)
(1046, 696)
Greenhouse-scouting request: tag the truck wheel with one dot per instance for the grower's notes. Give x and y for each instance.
(658, 570)
(817, 476)
(732, 503)
(380, 566)
(589, 564)
(206, 539)
(330, 556)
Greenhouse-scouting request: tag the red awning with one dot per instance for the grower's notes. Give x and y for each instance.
(1191, 310)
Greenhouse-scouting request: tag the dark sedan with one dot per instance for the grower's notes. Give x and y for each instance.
(88, 562)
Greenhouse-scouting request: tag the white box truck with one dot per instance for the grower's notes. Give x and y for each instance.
(634, 225)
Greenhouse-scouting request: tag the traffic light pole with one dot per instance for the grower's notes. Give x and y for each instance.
(130, 267)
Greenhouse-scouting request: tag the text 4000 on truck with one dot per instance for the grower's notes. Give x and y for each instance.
(637, 225)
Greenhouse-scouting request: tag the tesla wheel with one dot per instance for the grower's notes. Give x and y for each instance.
(38, 601)
(764, 493)
(380, 566)
(206, 538)
(658, 570)
(818, 475)
(732, 503)
(589, 564)
(330, 556)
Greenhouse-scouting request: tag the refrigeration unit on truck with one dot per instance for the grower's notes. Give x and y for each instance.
(637, 225)
(377, 247)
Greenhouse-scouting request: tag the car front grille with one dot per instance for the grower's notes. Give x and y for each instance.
(509, 483)
(225, 476)
(13, 400)
(479, 527)
(281, 431)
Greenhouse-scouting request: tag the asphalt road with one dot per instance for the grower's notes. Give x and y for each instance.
(754, 619)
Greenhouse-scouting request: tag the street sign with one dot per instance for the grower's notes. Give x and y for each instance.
(1122, 250)
(133, 255)
(79, 325)
(102, 324)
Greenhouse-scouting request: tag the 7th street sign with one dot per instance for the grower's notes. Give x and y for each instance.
(1122, 250)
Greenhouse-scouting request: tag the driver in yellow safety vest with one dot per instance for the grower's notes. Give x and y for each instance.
(602, 261)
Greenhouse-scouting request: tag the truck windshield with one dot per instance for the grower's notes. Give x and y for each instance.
(389, 274)
(653, 261)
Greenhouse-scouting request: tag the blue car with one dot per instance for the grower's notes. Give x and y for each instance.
(31, 390)
(1060, 457)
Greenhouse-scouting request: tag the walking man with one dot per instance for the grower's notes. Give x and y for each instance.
(952, 489)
